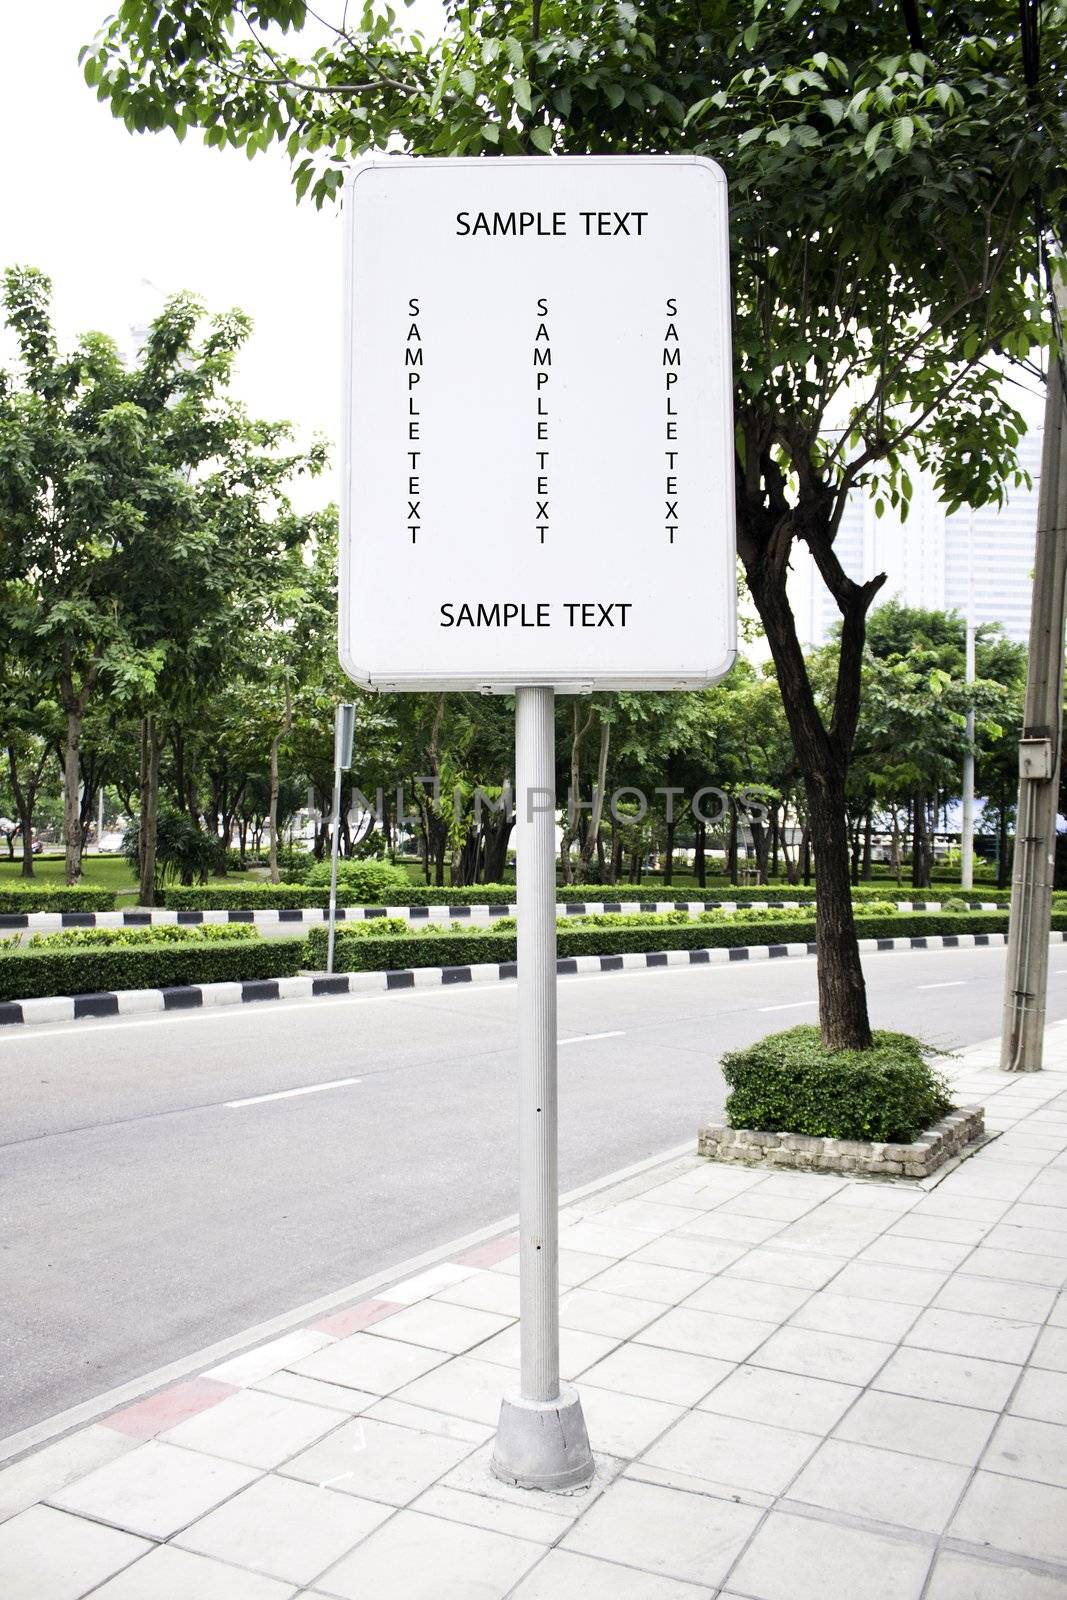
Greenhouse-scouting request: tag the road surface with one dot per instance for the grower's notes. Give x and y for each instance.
(162, 1186)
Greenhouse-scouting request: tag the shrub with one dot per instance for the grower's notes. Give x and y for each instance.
(28, 974)
(183, 848)
(22, 901)
(790, 1083)
(372, 882)
(134, 938)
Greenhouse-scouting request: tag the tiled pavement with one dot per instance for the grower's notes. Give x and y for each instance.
(797, 1387)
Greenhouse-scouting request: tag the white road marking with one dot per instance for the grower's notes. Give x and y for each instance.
(580, 1038)
(289, 1094)
(794, 1005)
(957, 983)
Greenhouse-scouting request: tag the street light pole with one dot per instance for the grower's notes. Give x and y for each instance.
(541, 1440)
(967, 832)
(1026, 981)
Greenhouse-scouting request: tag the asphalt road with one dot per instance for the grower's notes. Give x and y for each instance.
(152, 1201)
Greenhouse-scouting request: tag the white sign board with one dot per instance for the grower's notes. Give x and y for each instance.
(538, 476)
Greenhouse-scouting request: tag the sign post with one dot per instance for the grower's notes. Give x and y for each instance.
(344, 727)
(537, 498)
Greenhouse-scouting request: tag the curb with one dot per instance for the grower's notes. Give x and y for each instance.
(54, 921)
(125, 1002)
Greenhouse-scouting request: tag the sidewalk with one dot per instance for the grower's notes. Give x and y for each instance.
(797, 1387)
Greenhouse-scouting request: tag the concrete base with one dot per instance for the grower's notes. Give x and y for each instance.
(543, 1444)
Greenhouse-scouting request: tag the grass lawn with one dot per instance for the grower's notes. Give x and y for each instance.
(98, 872)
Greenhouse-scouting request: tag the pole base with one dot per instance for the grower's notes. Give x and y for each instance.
(543, 1444)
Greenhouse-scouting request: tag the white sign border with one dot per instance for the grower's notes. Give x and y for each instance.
(504, 682)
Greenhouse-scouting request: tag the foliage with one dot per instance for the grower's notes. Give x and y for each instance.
(183, 849)
(136, 938)
(366, 882)
(30, 974)
(790, 1082)
(16, 900)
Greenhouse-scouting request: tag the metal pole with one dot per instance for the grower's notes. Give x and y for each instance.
(100, 820)
(334, 844)
(541, 1440)
(967, 834)
(1026, 980)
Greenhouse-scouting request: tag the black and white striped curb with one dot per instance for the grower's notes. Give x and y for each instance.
(126, 1002)
(53, 921)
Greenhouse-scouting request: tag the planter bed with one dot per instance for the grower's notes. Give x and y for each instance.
(799, 1152)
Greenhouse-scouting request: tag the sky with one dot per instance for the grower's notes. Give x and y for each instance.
(119, 221)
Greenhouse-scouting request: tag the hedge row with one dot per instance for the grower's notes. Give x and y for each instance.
(19, 900)
(266, 896)
(355, 953)
(29, 974)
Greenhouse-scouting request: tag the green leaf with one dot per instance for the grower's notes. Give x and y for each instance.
(467, 81)
(514, 52)
(521, 90)
(903, 133)
(543, 138)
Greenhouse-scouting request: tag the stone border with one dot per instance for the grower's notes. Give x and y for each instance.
(799, 1152)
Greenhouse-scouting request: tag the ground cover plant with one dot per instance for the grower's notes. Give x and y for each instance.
(792, 1083)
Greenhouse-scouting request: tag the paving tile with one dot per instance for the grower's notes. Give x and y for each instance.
(783, 1399)
(838, 1230)
(1041, 1394)
(670, 1532)
(339, 1324)
(424, 1284)
(967, 1333)
(732, 1452)
(947, 1230)
(877, 1197)
(960, 1380)
(148, 1418)
(427, 1421)
(155, 1490)
(830, 1312)
(1058, 1315)
(791, 1268)
(745, 1297)
(484, 1291)
(577, 1350)
(564, 1575)
(705, 1333)
(1029, 1241)
(867, 1280)
(732, 1226)
(778, 1207)
(640, 1369)
(334, 1396)
(415, 1557)
(960, 1577)
(624, 1424)
(594, 1237)
(907, 1491)
(944, 1432)
(47, 1555)
(616, 1315)
(284, 1529)
(261, 1430)
(641, 1280)
(1020, 1302)
(1025, 1448)
(364, 1361)
(971, 1207)
(474, 1475)
(1023, 1517)
(823, 1355)
(647, 1216)
(1030, 1216)
(253, 1365)
(44, 1472)
(932, 1254)
(1051, 1349)
(798, 1558)
(488, 1254)
(536, 1521)
(378, 1460)
(691, 1252)
(463, 1388)
(167, 1573)
(440, 1326)
(1016, 1266)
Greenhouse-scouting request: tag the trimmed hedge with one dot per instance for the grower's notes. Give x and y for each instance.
(141, 938)
(20, 901)
(29, 974)
(791, 1083)
(357, 953)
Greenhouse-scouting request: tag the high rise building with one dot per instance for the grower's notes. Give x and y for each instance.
(976, 562)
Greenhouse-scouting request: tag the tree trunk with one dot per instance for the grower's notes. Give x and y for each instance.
(867, 826)
(842, 989)
(668, 860)
(700, 855)
(72, 833)
(731, 843)
(149, 816)
(592, 839)
(25, 800)
(773, 809)
(275, 745)
(1003, 862)
(805, 855)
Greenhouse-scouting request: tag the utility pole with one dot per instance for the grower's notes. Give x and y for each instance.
(344, 727)
(1026, 980)
(967, 832)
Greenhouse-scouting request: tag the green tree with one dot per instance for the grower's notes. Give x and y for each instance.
(883, 165)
